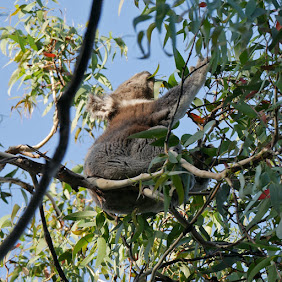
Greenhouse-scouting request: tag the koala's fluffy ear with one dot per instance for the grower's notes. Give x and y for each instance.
(100, 107)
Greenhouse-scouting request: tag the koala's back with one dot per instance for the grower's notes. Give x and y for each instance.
(114, 155)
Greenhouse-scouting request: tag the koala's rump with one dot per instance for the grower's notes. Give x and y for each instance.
(125, 201)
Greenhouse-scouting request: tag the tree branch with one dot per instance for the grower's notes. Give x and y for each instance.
(47, 235)
(77, 180)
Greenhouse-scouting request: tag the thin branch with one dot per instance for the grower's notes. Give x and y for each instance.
(207, 257)
(107, 184)
(163, 257)
(243, 228)
(30, 189)
(196, 235)
(27, 149)
(64, 104)
(50, 245)
(209, 199)
(47, 235)
(17, 181)
(181, 87)
(264, 153)
(275, 136)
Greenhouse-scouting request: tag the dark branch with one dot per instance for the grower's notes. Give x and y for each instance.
(47, 235)
(50, 245)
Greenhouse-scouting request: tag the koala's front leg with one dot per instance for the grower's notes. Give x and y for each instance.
(191, 87)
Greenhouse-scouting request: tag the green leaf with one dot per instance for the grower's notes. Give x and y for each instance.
(102, 79)
(257, 176)
(81, 215)
(197, 136)
(40, 3)
(14, 77)
(15, 210)
(162, 10)
(20, 40)
(5, 221)
(244, 57)
(172, 158)
(180, 63)
(223, 264)
(41, 245)
(279, 228)
(150, 133)
(258, 266)
(276, 38)
(3, 45)
(272, 273)
(179, 187)
(118, 233)
(29, 7)
(172, 22)
(276, 196)
(149, 32)
(245, 109)
(250, 8)
(83, 242)
(77, 169)
(172, 81)
(199, 44)
(140, 19)
(102, 247)
(262, 210)
(208, 125)
(237, 8)
(156, 71)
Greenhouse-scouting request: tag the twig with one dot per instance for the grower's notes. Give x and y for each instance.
(181, 88)
(209, 199)
(197, 236)
(210, 256)
(64, 117)
(107, 184)
(162, 258)
(30, 189)
(50, 245)
(243, 228)
(275, 136)
(26, 149)
(47, 235)
(17, 181)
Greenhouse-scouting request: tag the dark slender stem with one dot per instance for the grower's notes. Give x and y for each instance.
(183, 78)
(50, 245)
(64, 104)
(47, 235)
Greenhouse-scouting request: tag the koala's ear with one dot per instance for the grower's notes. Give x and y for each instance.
(100, 107)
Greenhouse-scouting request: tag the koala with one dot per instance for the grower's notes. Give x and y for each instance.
(128, 110)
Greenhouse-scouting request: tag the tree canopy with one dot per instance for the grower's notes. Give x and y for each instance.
(230, 232)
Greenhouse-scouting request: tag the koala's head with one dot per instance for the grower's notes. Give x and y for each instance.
(138, 89)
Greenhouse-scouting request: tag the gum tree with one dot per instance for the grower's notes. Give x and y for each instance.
(230, 232)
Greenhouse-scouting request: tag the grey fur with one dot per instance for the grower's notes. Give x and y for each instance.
(130, 109)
